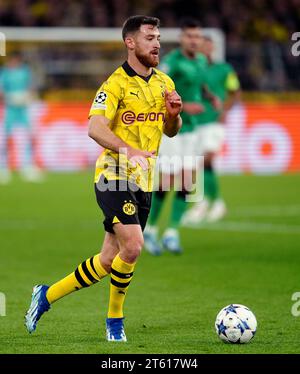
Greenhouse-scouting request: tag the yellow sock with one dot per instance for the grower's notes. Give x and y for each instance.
(121, 275)
(87, 273)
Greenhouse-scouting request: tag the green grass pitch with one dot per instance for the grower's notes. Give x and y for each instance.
(252, 258)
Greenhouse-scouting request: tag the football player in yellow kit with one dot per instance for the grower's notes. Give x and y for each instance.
(128, 117)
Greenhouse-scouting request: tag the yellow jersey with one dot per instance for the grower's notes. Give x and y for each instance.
(135, 106)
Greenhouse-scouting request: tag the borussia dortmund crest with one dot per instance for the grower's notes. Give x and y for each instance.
(129, 208)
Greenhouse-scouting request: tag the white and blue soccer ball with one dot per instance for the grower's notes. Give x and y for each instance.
(236, 324)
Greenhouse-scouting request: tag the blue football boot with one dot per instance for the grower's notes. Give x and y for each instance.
(39, 305)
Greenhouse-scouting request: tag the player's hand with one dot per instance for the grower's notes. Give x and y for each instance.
(136, 156)
(193, 108)
(217, 103)
(173, 103)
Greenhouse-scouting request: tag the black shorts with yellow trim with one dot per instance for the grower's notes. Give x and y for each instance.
(122, 201)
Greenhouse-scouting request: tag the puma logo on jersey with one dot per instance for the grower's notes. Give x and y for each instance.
(135, 94)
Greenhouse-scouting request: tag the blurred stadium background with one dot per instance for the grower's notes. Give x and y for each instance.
(252, 257)
(72, 46)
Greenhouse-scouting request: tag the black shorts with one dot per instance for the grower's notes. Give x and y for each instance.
(122, 201)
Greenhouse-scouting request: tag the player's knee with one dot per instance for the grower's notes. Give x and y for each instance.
(132, 249)
(106, 261)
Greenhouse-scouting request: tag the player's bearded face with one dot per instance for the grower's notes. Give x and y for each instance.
(147, 46)
(149, 59)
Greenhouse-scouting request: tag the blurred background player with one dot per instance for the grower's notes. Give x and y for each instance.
(187, 68)
(223, 82)
(16, 93)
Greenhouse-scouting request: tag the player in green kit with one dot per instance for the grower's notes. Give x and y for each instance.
(223, 82)
(177, 160)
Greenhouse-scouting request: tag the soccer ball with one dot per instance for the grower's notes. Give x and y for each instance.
(236, 324)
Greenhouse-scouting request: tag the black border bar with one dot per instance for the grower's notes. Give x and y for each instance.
(136, 362)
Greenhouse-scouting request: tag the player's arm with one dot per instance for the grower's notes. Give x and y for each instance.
(233, 88)
(215, 101)
(232, 98)
(192, 108)
(173, 120)
(99, 131)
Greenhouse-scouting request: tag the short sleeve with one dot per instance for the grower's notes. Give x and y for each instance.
(107, 99)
